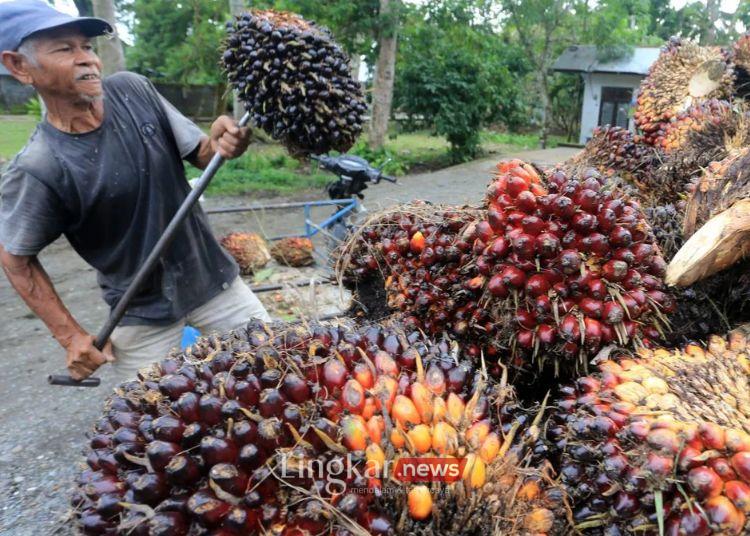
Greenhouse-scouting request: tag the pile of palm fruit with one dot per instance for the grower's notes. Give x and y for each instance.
(531, 342)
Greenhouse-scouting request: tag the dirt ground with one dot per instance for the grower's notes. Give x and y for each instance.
(44, 428)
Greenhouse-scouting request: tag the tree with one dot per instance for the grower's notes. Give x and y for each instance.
(385, 72)
(109, 47)
(458, 74)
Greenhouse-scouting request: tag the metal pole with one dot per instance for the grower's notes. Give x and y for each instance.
(148, 265)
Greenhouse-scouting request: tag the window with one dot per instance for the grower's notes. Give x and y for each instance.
(615, 106)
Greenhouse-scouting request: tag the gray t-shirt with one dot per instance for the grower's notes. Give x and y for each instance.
(112, 192)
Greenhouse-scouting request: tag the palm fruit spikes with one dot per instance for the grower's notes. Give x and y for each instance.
(615, 151)
(248, 249)
(295, 80)
(660, 444)
(683, 75)
(293, 251)
(286, 429)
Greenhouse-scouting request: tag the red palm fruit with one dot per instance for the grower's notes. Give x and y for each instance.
(435, 380)
(615, 270)
(404, 412)
(619, 236)
(526, 201)
(597, 289)
(524, 246)
(376, 428)
(498, 248)
(724, 515)
(704, 482)
(384, 390)
(547, 245)
(533, 225)
(364, 375)
(612, 312)
(385, 364)
(642, 252)
(712, 435)
(546, 334)
(563, 207)
(537, 285)
(584, 222)
(513, 277)
(741, 465)
(739, 493)
(353, 396)
(295, 389)
(592, 333)
(591, 307)
(496, 219)
(334, 374)
(354, 432)
(484, 231)
(422, 397)
(570, 329)
(204, 505)
(569, 261)
(515, 185)
(525, 319)
(497, 287)
(542, 305)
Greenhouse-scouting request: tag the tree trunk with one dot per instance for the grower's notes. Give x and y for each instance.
(543, 78)
(712, 10)
(237, 7)
(84, 8)
(356, 61)
(110, 47)
(385, 71)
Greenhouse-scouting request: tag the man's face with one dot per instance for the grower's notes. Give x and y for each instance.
(66, 66)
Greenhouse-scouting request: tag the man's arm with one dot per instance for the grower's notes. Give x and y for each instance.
(28, 277)
(226, 138)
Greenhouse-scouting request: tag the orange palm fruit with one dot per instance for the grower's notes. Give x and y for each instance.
(420, 438)
(475, 471)
(477, 433)
(363, 374)
(376, 428)
(539, 521)
(354, 432)
(440, 410)
(397, 438)
(375, 460)
(420, 502)
(422, 398)
(444, 438)
(455, 407)
(404, 412)
(370, 408)
(490, 447)
(416, 244)
(385, 391)
(529, 491)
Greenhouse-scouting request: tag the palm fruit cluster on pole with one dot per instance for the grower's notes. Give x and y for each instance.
(285, 429)
(295, 80)
(559, 267)
(248, 249)
(683, 75)
(660, 443)
(615, 151)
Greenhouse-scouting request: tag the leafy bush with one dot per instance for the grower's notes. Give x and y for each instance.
(458, 74)
(33, 108)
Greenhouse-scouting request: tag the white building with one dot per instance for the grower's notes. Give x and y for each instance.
(609, 87)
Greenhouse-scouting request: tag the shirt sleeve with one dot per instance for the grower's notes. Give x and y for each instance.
(186, 133)
(31, 214)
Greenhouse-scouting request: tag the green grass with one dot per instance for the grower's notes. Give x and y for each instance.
(267, 168)
(16, 130)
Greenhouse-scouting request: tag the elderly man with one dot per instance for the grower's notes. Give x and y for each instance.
(104, 168)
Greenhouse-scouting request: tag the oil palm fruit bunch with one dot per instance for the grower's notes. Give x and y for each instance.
(659, 444)
(615, 151)
(697, 117)
(741, 60)
(293, 251)
(248, 249)
(570, 263)
(295, 80)
(291, 430)
(683, 75)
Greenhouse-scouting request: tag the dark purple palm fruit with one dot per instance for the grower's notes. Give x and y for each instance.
(295, 80)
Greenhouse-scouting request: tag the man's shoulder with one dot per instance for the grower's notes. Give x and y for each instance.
(126, 80)
(34, 159)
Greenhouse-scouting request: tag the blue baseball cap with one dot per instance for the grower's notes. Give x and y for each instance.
(21, 18)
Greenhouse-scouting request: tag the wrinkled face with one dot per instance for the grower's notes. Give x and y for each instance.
(65, 65)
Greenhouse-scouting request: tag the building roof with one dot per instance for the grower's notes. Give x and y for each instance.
(582, 59)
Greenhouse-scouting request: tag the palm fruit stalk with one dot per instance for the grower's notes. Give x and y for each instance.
(683, 75)
(293, 251)
(295, 80)
(558, 267)
(659, 443)
(615, 151)
(248, 249)
(285, 430)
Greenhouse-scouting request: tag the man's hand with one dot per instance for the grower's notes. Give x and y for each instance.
(83, 358)
(227, 139)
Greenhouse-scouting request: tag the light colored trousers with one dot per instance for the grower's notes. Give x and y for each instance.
(136, 347)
